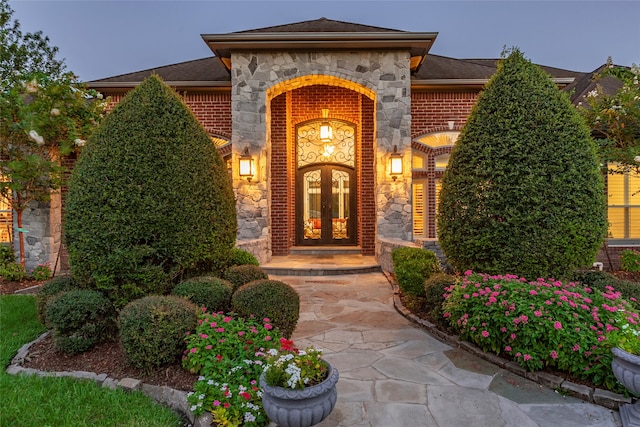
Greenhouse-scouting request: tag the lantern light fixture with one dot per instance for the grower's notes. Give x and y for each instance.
(395, 163)
(247, 165)
(326, 132)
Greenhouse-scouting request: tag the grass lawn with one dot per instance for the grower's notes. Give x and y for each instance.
(33, 401)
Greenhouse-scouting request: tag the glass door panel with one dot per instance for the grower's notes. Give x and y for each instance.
(340, 204)
(312, 204)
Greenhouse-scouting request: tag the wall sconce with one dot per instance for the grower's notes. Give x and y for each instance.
(326, 133)
(247, 165)
(451, 124)
(395, 163)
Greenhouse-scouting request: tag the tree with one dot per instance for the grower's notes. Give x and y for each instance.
(523, 192)
(614, 117)
(149, 199)
(45, 113)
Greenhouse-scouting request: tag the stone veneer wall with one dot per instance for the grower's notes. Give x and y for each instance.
(382, 75)
(43, 222)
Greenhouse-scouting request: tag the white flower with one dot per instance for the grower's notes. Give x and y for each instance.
(79, 142)
(99, 95)
(593, 93)
(55, 112)
(637, 159)
(249, 417)
(37, 138)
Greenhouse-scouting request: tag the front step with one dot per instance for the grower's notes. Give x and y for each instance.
(323, 264)
(325, 250)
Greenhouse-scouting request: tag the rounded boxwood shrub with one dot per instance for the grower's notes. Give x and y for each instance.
(206, 291)
(523, 192)
(80, 319)
(240, 275)
(152, 329)
(49, 289)
(434, 290)
(271, 299)
(149, 200)
(412, 266)
(243, 257)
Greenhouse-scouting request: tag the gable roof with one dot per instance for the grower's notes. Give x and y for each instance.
(320, 25)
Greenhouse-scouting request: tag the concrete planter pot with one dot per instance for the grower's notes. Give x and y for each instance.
(626, 368)
(300, 408)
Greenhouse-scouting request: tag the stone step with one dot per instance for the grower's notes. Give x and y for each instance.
(325, 250)
(321, 264)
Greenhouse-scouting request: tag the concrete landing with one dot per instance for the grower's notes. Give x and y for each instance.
(321, 264)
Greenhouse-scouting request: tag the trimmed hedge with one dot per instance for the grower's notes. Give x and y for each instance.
(240, 275)
(271, 299)
(206, 291)
(434, 290)
(80, 319)
(49, 289)
(243, 257)
(150, 199)
(601, 279)
(152, 329)
(523, 192)
(412, 266)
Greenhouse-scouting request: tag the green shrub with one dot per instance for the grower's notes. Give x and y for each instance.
(149, 199)
(50, 289)
(80, 319)
(271, 299)
(240, 275)
(523, 192)
(13, 272)
(630, 260)
(412, 266)
(6, 255)
(434, 290)
(152, 329)
(207, 291)
(243, 257)
(41, 272)
(600, 280)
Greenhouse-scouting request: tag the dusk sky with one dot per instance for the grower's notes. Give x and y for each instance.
(100, 39)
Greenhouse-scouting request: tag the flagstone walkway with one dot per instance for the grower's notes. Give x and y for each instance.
(394, 374)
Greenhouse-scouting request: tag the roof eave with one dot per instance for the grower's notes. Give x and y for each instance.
(441, 83)
(190, 85)
(222, 45)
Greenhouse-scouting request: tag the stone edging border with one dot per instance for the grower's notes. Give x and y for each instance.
(174, 399)
(592, 395)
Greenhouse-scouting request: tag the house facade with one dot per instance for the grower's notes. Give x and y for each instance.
(335, 135)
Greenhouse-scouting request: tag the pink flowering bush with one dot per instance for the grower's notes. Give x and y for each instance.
(541, 323)
(228, 353)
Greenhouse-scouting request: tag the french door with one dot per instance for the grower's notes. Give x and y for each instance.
(326, 205)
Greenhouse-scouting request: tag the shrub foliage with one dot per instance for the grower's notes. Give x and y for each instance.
(523, 192)
(240, 275)
(149, 199)
(435, 287)
(412, 266)
(271, 299)
(243, 257)
(80, 319)
(152, 329)
(50, 289)
(206, 291)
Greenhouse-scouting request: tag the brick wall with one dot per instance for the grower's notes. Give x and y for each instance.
(430, 111)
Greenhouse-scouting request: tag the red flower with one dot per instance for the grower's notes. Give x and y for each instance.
(219, 357)
(245, 395)
(286, 345)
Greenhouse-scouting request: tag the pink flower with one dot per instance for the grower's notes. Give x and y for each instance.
(204, 309)
(533, 292)
(553, 354)
(266, 320)
(527, 357)
(240, 333)
(485, 333)
(503, 329)
(220, 330)
(209, 347)
(213, 324)
(513, 336)
(576, 347)
(227, 319)
(216, 403)
(468, 273)
(537, 313)
(193, 350)
(204, 336)
(268, 327)
(267, 338)
(465, 296)
(507, 348)
(557, 325)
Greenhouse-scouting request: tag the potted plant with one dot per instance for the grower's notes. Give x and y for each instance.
(626, 364)
(299, 387)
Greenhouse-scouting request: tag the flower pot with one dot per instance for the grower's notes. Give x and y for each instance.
(300, 408)
(626, 368)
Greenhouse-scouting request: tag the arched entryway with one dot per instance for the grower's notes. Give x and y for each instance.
(326, 190)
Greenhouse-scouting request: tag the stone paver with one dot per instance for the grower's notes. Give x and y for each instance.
(395, 374)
